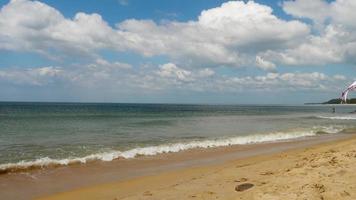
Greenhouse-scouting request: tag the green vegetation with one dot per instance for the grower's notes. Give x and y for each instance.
(338, 101)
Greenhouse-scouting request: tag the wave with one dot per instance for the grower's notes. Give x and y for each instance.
(168, 148)
(338, 117)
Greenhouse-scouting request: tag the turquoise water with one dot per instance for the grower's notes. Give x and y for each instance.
(61, 133)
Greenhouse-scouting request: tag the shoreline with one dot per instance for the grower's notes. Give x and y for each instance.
(40, 183)
(320, 171)
(175, 147)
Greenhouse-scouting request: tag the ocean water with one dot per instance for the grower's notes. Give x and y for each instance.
(42, 134)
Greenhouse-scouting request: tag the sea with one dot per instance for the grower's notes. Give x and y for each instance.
(45, 134)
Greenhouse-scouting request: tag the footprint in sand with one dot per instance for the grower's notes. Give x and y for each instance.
(147, 193)
(345, 193)
(241, 180)
(261, 183)
(266, 173)
(243, 187)
(333, 161)
(319, 187)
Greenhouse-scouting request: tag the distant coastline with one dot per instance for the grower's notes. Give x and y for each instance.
(335, 101)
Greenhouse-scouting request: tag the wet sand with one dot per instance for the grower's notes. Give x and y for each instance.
(268, 170)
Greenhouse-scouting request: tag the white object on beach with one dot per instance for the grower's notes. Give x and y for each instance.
(344, 94)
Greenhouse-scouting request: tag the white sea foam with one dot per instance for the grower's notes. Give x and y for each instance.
(169, 148)
(347, 117)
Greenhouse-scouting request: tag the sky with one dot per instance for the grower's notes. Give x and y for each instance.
(177, 51)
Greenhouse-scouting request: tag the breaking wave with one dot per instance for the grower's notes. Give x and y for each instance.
(348, 117)
(168, 148)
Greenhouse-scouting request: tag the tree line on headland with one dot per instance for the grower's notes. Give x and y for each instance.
(337, 101)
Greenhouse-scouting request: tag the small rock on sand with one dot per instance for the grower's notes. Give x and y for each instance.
(243, 187)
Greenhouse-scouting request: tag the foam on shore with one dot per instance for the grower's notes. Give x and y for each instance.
(169, 148)
(348, 117)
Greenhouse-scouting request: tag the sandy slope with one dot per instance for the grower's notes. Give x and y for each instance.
(325, 171)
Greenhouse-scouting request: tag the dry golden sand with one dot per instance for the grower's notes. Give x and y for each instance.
(326, 171)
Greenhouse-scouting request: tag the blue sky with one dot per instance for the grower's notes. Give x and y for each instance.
(176, 51)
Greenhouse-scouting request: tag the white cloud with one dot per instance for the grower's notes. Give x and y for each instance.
(233, 34)
(123, 2)
(264, 64)
(47, 71)
(31, 76)
(334, 42)
(314, 81)
(225, 35)
(170, 70)
(104, 64)
(206, 72)
(343, 12)
(339, 77)
(338, 11)
(170, 77)
(318, 10)
(213, 39)
(173, 72)
(35, 26)
(332, 46)
(242, 23)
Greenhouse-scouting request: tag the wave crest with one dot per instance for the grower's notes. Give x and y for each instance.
(353, 117)
(167, 148)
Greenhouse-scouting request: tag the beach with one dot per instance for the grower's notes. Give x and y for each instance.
(320, 171)
(273, 168)
(175, 100)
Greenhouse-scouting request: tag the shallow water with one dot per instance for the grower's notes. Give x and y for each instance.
(36, 134)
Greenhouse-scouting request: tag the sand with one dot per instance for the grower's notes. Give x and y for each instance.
(323, 171)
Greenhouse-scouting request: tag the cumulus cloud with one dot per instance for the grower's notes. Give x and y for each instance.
(170, 70)
(34, 26)
(318, 10)
(212, 40)
(286, 82)
(264, 64)
(234, 34)
(332, 46)
(104, 64)
(32, 76)
(338, 11)
(170, 77)
(206, 72)
(335, 41)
